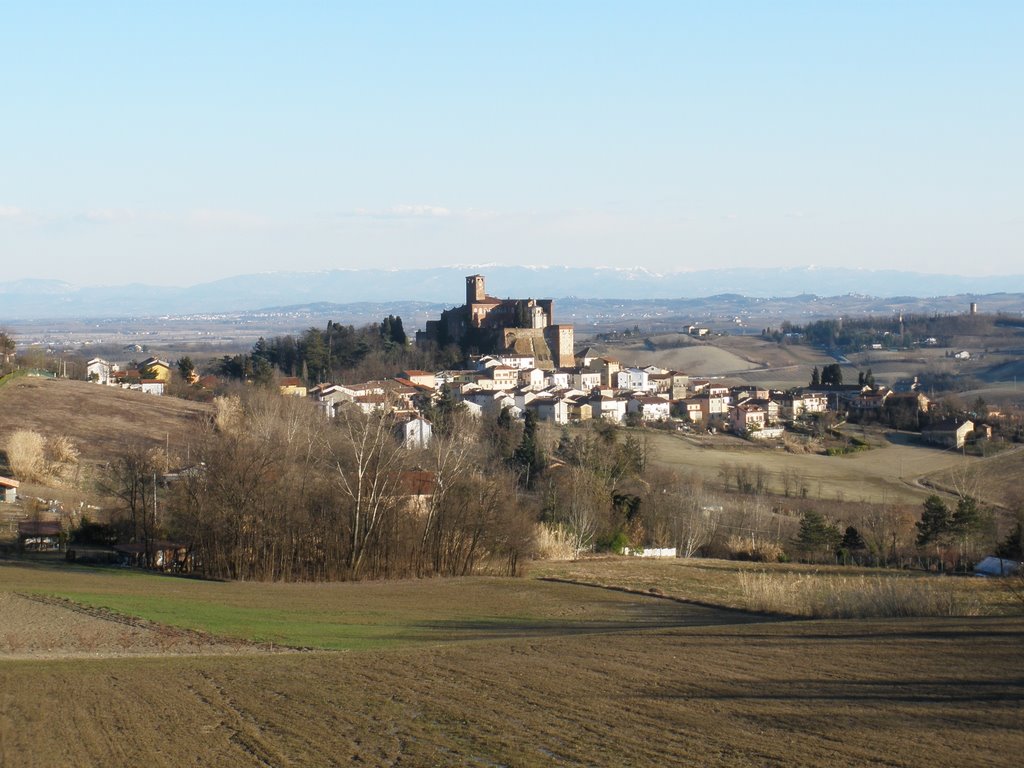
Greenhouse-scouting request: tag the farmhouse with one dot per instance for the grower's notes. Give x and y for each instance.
(99, 370)
(156, 368)
(951, 433)
(292, 386)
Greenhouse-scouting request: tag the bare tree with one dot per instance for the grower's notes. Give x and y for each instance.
(367, 461)
(450, 460)
(131, 479)
(585, 508)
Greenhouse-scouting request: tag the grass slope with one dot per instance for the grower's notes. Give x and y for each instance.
(99, 419)
(888, 472)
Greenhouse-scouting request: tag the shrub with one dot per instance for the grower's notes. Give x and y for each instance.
(616, 542)
(760, 551)
(26, 453)
(856, 597)
(33, 457)
(553, 543)
(228, 415)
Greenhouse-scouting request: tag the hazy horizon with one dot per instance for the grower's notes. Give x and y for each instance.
(182, 144)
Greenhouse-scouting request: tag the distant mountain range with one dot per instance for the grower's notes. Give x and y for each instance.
(35, 299)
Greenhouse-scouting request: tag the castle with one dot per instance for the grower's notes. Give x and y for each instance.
(488, 325)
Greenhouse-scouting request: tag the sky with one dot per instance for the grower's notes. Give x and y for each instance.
(176, 143)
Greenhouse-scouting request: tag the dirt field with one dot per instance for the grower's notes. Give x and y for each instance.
(741, 359)
(887, 473)
(997, 478)
(36, 627)
(99, 419)
(545, 674)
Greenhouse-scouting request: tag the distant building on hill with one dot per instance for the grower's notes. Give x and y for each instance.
(488, 325)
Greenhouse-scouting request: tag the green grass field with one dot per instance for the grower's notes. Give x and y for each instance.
(347, 616)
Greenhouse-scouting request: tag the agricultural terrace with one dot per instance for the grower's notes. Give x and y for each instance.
(891, 471)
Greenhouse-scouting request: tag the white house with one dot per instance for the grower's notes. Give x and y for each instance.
(99, 370)
(557, 379)
(532, 377)
(583, 379)
(550, 409)
(649, 408)
(608, 408)
(633, 379)
(795, 406)
(416, 433)
(504, 377)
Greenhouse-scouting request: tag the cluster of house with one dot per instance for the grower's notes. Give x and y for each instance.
(598, 387)
(150, 376)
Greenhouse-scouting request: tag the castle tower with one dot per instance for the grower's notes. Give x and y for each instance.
(475, 289)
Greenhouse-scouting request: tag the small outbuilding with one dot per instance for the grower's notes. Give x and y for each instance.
(8, 490)
(159, 556)
(39, 536)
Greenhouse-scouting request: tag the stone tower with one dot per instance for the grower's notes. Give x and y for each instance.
(475, 289)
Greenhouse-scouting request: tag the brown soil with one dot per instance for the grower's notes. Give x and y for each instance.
(640, 681)
(941, 693)
(37, 627)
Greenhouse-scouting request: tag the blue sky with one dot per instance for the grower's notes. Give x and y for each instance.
(173, 143)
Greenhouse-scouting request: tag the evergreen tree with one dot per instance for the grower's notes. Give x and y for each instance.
(1012, 547)
(262, 371)
(935, 523)
(816, 534)
(261, 349)
(966, 518)
(852, 540)
(186, 368)
(315, 362)
(851, 544)
(442, 411)
(832, 375)
(815, 377)
(398, 332)
(528, 459)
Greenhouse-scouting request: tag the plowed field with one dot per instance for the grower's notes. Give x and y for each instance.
(508, 673)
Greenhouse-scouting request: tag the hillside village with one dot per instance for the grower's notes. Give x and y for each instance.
(525, 363)
(510, 367)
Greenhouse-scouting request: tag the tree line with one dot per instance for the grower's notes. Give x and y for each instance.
(337, 353)
(276, 492)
